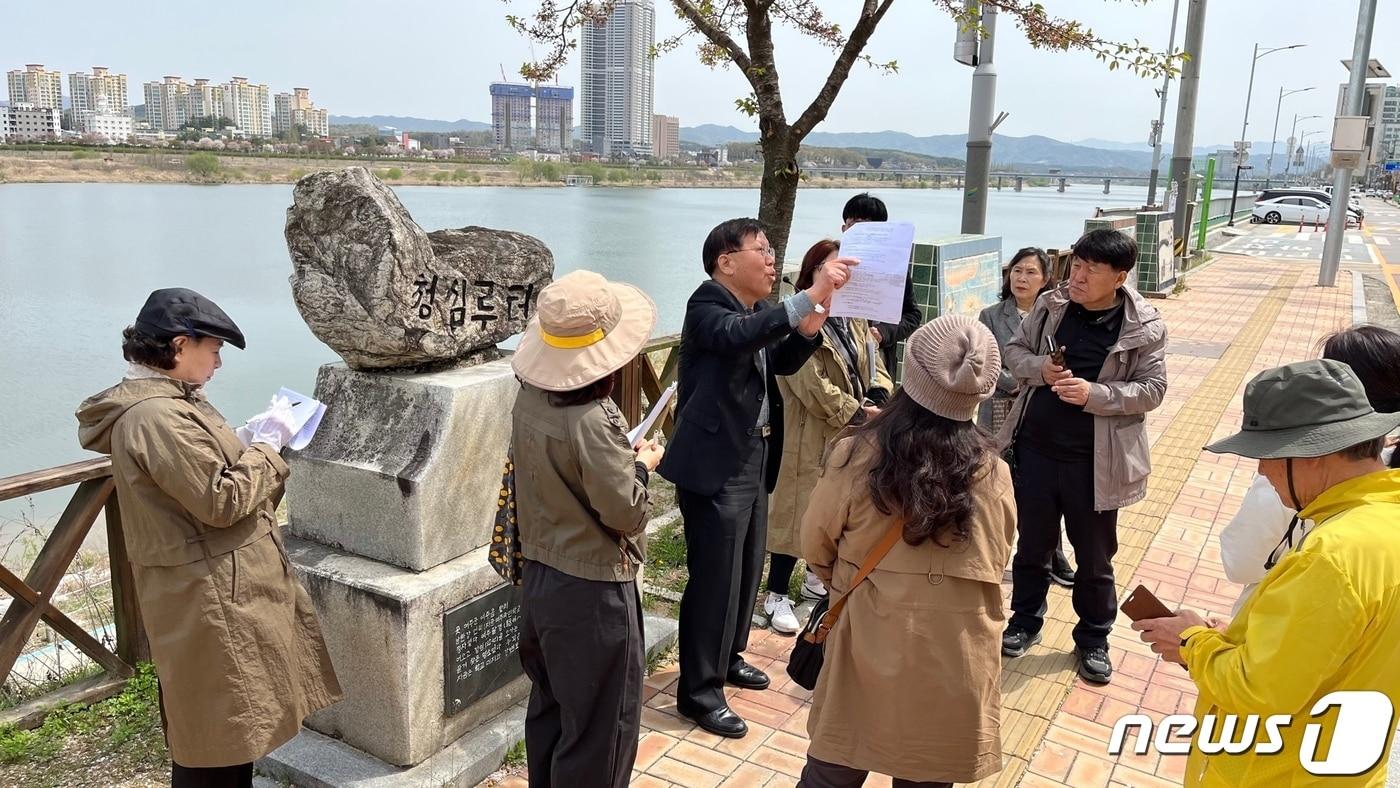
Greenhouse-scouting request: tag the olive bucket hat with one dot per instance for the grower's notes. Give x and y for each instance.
(1306, 409)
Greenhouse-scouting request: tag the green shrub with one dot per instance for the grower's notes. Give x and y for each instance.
(205, 165)
(393, 173)
(84, 154)
(459, 174)
(441, 177)
(616, 175)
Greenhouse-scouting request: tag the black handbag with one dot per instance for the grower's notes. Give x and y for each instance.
(808, 653)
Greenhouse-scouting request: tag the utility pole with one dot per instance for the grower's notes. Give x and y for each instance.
(1273, 140)
(1341, 176)
(1186, 114)
(1242, 147)
(980, 124)
(1161, 116)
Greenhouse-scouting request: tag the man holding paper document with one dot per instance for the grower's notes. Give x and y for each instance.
(724, 455)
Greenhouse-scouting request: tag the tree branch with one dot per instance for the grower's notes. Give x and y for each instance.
(717, 36)
(815, 113)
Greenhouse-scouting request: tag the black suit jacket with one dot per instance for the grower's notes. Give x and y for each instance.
(721, 390)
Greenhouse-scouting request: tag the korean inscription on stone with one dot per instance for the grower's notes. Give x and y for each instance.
(481, 644)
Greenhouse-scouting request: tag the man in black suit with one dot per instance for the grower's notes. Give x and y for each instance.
(724, 454)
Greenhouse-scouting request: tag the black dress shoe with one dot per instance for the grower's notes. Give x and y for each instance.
(747, 676)
(721, 722)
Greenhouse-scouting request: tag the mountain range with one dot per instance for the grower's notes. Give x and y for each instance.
(1033, 151)
(409, 123)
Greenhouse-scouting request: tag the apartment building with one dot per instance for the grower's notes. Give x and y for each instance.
(36, 86)
(666, 137)
(618, 81)
(99, 92)
(554, 118)
(27, 123)
(167, 103)
(296, 109)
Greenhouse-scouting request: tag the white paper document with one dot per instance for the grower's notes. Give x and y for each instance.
(306, 418)
(875, 290)
(656, 412)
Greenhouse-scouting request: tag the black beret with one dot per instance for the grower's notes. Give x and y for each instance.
(179, 311)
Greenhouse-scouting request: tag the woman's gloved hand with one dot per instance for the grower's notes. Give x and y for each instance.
(273, 426)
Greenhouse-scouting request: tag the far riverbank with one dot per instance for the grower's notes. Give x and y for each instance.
(91, 165)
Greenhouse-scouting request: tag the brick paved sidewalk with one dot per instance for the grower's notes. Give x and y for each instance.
(1239, 316)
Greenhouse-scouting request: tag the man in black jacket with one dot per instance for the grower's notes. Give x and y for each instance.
(866, 207)
(724, 455)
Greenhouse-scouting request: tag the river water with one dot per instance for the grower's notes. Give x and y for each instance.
(77, 261)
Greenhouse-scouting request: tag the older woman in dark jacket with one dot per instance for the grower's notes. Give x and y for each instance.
(582, 505)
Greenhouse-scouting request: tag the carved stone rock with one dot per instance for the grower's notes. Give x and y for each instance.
(386, 295)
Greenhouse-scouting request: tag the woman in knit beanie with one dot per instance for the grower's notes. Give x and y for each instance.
(910, 687)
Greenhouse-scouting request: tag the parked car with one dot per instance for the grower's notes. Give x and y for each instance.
(1297, 210)
(1324, 196)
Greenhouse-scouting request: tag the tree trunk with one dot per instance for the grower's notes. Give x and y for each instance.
(777, 196)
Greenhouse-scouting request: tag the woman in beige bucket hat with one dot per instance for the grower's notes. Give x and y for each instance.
(911, 685)
(582, 506)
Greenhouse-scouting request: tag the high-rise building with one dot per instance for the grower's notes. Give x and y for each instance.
(167, 104)
(1388, 134)
(617, 89)
(510, 115)
(248, 106)
(205, 100)
(296, 109)
(554, 118)
(37, 87)
(666, 137)
(87, 91)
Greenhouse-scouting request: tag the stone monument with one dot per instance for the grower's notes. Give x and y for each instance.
(391, 505)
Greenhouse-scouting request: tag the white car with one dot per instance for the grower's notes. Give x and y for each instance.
(1297, 210)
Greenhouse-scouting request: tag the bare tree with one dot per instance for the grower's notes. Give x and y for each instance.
(740, 33)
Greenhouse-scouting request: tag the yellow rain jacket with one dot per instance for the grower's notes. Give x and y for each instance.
(1326, 618)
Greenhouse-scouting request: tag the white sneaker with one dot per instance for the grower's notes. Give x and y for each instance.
(780, 615)
(812, 587)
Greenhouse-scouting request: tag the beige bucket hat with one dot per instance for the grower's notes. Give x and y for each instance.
(584, 329)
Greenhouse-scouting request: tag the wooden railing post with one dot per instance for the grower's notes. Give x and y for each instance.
(132, 646)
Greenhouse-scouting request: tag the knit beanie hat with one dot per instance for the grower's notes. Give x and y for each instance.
(950, 365)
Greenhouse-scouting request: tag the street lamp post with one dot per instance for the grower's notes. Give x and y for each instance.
(1292, 140)
(1239, 150)
(1273, 140)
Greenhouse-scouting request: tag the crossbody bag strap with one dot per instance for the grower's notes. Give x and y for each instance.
(877, 554)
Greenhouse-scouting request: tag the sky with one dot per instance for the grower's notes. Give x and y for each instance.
(435, 60)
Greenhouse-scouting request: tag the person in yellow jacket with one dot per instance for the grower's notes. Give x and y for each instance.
(1326, 618)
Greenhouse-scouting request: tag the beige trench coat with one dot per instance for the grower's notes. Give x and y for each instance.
(911, 686)
(233, 635)
(817, 404)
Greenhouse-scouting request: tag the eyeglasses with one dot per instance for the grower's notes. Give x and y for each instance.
(766, 251)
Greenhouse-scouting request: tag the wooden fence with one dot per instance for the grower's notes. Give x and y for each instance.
(640, 378)
(32, 596)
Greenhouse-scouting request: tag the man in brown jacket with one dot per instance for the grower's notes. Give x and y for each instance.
(1091, 358)
(233, 635)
